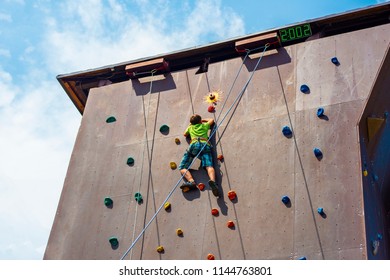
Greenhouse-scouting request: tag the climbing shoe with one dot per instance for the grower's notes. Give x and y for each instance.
(214, 188)
(187, 186)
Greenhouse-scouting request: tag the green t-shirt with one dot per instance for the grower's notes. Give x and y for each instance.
(198, 130)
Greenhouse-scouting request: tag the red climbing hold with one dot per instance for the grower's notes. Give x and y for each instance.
(210, 257)
(211, 109)
(232, 195)
(230, 224)
(220, 157)
(214, 212)
(201, 186)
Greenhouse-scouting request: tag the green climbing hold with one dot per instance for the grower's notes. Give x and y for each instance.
(138, 197)
(130, 161)
(113, 241)
(111, 119)
(108, 201)
(164, 129)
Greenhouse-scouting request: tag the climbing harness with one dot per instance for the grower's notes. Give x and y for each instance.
(199, 153)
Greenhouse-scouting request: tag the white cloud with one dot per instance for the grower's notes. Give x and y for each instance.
(5, 53)
(5, 17)
(116, 33)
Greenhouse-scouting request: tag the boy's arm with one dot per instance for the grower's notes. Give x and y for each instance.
(209, 121)
(186, 133)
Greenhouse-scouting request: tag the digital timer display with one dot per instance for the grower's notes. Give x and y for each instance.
(295, 33)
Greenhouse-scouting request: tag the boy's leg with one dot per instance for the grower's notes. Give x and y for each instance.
(187, 175)
(211, 172)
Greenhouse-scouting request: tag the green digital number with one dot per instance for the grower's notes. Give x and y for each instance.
(294, 33)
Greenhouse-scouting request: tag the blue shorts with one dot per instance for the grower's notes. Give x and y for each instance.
(206, 156)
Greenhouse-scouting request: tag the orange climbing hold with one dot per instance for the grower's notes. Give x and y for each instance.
(179, 232)
(232, 195)
(210, 257)
(230, 224)
(177, 141)
(214, 212)
(160, 249)
(220, 157)
(201, 186)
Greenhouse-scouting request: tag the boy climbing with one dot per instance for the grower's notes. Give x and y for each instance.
(198, 131)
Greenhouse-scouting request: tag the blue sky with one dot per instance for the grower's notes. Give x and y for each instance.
(42, 38)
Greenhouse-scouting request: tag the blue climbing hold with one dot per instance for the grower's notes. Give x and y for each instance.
(375, 177)
(317, 153)
(285, 199)
(287, 131)
(113, 241)
(111, 119)
(302, 258)
(305, 89)
(108, 201)
(320, 211)
(320, 112)
(130, 161)
(335, 61)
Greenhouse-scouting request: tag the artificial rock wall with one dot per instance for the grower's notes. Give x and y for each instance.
(260, 163)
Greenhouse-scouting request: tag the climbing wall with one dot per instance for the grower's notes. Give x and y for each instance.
(127, 157)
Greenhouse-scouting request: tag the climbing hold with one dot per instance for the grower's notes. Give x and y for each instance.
(287, 131)
(365, 173)
(160, 249)
(110, 119)
(173, 165)
(374, 125)
(201, 186)
(317, 153)
(164, 129)
(232, 195)
(386, 114)
(320, 112)
(375, 177)
(214, 212)
(379, 236)
(108, 201)
(130, 161)
(285, 199)
(213, 97)
(210, 257)
(335, 61)
(177, 141)
(211, 109)
(113, 241)
(230, 224)
(179, 231)
(220, 157)
(320, 211)
(138, 197)
(302, 258)
(167, 205)
(305, 89)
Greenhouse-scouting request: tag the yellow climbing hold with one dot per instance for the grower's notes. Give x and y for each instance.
(177, 141)
(365, 173)
(167, 205)
(179, 231)
(173, 165)
(160, 249)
